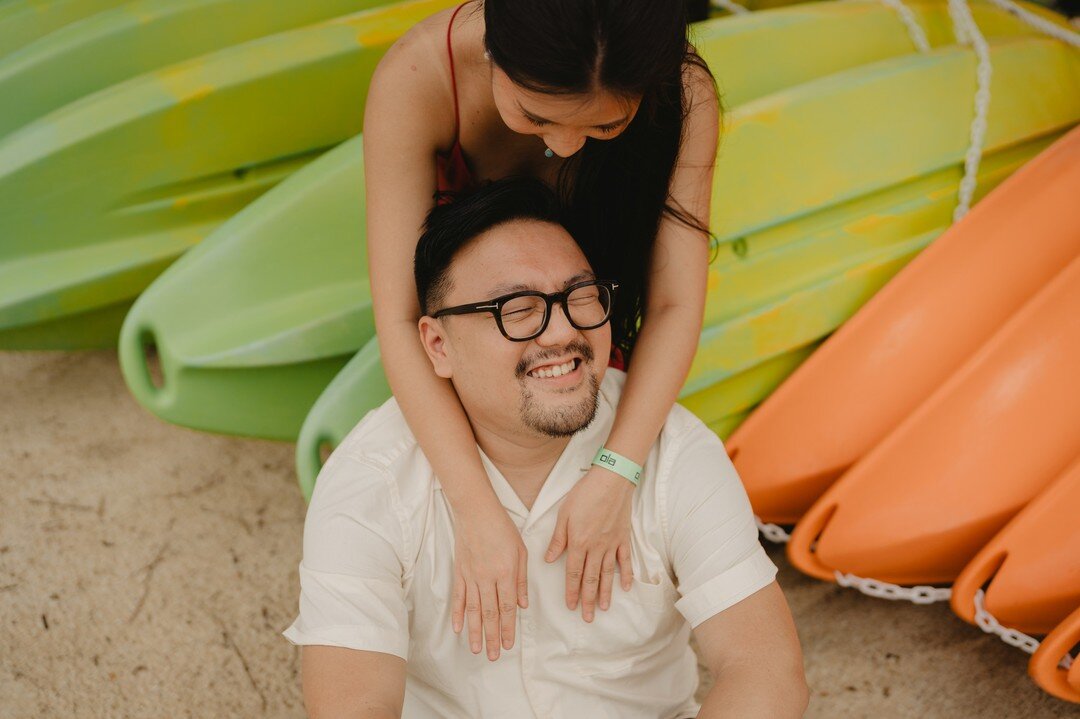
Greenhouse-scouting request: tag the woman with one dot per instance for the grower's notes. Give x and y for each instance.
(607, 102)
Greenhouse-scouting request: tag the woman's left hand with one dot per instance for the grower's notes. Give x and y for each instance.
(594, 525)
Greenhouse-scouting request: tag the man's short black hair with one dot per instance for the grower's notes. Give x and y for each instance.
(450, 227)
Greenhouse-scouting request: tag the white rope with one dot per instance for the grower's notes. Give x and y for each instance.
(915, 31)
(967, 32)
(1041, 24)
(922, 594)
(990, 625)
(732, 7)
(773, 532)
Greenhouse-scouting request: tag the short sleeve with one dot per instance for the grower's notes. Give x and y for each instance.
(351, 576)
(712, 538)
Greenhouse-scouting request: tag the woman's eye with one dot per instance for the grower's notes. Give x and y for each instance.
(536, 122)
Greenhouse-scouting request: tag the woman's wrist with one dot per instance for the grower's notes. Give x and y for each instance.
(619, 465)
(478, 509)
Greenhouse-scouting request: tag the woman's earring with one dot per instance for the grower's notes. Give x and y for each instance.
(549, 152)
(487, 55)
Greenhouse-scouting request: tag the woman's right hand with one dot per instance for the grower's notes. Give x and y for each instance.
(490, 582)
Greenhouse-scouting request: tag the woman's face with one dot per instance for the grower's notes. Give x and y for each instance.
(563, 122)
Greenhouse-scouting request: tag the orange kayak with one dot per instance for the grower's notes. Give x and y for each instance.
(921, 504)
(911, 336)
(1044, 665)
(1033, 565)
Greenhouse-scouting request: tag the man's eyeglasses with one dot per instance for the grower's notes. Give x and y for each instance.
(522, 316)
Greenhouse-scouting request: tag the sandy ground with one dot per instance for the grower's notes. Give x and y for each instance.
(147, 571)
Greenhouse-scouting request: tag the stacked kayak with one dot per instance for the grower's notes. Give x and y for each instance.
(1046, 663)
(131, 39)
(213, 349)
(156, 146)
(933, 438)
(922, 502)
(1031, 568)
(878, 368)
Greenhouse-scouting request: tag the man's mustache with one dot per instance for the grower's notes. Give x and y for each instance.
(577, 346)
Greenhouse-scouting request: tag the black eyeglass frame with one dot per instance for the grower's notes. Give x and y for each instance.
(495, 305)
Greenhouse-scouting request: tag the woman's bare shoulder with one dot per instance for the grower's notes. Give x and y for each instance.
(413, 79)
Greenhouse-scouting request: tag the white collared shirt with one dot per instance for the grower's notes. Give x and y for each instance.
(378, 566)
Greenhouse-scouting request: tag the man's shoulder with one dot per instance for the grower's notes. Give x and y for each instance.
(680, 425)
(380, 455)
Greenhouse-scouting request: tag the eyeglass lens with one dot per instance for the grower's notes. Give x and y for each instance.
(586, 307)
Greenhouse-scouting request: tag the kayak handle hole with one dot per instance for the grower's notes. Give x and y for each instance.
(326, 447)
(152, 360)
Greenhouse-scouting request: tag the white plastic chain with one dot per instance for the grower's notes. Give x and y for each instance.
(773, 532)
(967, 32)
(990, 625)
(918, 36)
(732, 7)
(1041, 24)
(883, 590)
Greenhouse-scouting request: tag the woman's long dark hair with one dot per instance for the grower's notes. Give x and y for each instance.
(615, 191)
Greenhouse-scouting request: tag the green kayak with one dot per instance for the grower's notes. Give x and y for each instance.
(123, 42)
(100, 195)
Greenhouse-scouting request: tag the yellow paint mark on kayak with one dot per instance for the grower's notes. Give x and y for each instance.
(199, 92)
(943, 193)
(373, 38)
(865, 225)
(394, 22)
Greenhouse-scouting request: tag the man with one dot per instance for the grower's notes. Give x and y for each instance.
(514, 317)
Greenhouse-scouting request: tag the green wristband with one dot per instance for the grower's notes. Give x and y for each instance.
(618, 464)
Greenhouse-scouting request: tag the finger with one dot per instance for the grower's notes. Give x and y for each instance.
(489, 612)
(507, 613)
(558, 541)
(575, 562)
(590, 582)
(523, 578)
(626, 570)
(472, 613)
(607, 575)
(457, 603)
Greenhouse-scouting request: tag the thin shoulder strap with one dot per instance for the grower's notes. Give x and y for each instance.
(453, 80)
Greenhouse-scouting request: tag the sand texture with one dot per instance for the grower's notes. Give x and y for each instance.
(147, 570)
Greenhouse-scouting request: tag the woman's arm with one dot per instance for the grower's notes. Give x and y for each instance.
(400, 142)
(662, 355)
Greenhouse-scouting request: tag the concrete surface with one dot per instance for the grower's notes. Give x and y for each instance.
(147, 570)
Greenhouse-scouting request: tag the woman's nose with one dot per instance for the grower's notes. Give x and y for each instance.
(564, 145)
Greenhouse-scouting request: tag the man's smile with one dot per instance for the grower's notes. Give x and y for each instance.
(555, 369)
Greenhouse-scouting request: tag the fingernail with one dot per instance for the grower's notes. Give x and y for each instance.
(475, 648)
(492, 656)
(604, 605)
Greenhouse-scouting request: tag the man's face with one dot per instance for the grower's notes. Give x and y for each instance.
(501, 383)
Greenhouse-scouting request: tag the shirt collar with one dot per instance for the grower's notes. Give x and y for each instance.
(571, 466)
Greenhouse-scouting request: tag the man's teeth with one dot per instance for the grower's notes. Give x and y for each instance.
(555, 371)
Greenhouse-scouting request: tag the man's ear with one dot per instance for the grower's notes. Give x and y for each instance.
(433, 337)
